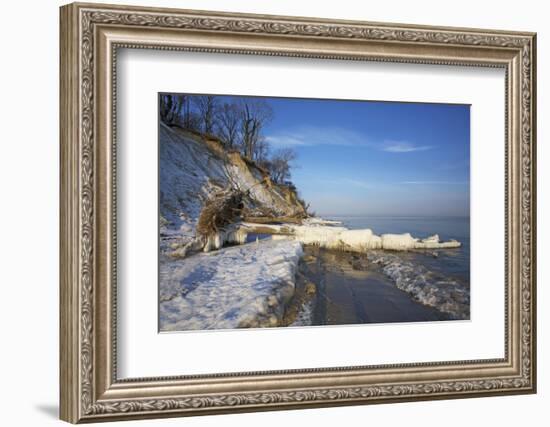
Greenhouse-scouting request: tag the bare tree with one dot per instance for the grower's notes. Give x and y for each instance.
(255, 114)
(207, 107)
(280, 164)
(170, 107)
(228, 122)
(188, 118)
(261, 151)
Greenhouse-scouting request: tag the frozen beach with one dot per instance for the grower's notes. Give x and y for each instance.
(281, 280)
(235, 287)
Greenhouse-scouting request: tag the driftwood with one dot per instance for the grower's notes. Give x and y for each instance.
(216, 223)
(220, 210)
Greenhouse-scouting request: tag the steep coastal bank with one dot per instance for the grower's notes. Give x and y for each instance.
(194, 168)
(244, 286)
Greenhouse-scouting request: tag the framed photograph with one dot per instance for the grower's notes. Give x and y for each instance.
(266, 212)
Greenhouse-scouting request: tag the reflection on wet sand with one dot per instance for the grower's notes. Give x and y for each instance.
(350, 291)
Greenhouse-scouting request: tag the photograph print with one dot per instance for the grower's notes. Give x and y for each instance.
(288, 212)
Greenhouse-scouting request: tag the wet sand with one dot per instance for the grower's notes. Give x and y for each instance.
(350, 291)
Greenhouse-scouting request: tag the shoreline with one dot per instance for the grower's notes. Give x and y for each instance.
(332, 284)
(350, 291)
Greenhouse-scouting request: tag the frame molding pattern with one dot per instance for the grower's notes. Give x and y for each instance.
(89, 17)
(302, 396)
(87, 212)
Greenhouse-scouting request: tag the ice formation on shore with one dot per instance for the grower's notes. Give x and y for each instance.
(341, 238)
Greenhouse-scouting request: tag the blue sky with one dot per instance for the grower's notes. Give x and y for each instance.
(376, 158)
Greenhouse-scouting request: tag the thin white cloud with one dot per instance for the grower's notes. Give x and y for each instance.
(335, 136)
(286, 141)
(310, 136)
(403, 147)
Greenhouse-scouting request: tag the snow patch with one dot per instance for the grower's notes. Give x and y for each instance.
(235, 287)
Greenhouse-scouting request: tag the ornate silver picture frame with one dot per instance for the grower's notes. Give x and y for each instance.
(91, 34)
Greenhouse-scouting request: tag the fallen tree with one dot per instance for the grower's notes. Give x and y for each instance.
(216, 223)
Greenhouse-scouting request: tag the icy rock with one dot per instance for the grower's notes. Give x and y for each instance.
(398, 242)
(431, 239)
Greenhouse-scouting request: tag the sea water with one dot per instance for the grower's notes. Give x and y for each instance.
(440, 278)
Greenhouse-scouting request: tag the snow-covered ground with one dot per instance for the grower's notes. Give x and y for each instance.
(239, 286)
